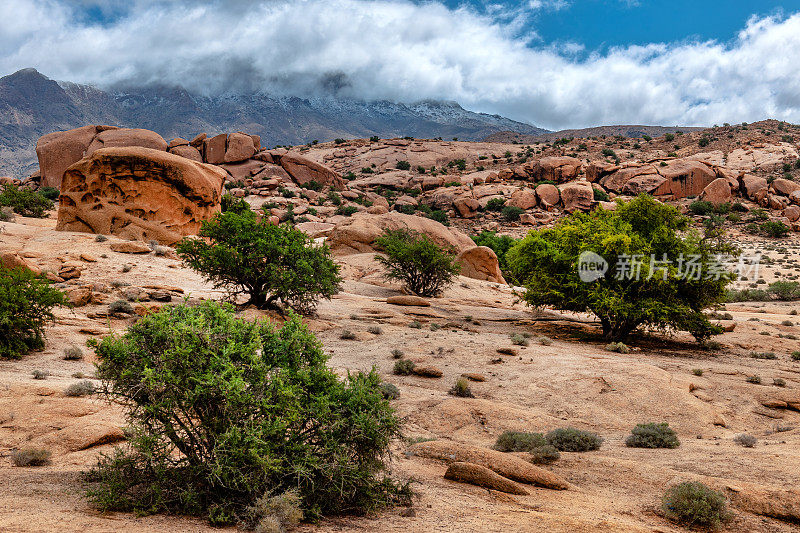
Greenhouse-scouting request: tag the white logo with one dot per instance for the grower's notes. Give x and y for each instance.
(591, 267)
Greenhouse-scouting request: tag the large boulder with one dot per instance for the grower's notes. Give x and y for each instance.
(187, 151)
(214, 149)
(523, 198)
(57, 151)
(358, 233)
(616, 181)
(752, 185)
(548, 195)
(303, 170)
(785, 187)
(684, 178)
(557, 169)
(577, 195)
(139, 193)
(126, 137)
(480, 262)
(598, 170)
(240, 147)
(717, 192)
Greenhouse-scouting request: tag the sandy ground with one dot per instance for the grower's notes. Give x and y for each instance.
(572, 382)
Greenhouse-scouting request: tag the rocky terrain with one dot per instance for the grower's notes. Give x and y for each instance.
(135, 186)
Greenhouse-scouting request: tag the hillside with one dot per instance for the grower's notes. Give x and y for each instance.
(628, 131)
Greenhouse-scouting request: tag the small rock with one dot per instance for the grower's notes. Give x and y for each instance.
(474, 377)
(89, 258)
(483, 477)
(508, 351)
(130, 247)
(427, 371)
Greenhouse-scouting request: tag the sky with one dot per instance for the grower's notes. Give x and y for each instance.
(553, 63)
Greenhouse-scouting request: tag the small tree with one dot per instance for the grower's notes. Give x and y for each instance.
(26, 305)
(224, 411)
(268, 263)
(626, 295)
(413, 258)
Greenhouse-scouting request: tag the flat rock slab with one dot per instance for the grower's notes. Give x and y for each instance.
(408, 300)
(483, 477)
(130, 247)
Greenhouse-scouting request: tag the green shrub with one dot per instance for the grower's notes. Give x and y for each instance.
(440, 216)
(755, 380)
(31, 457)
(120, 306)
(268, 263)
(701, 207)
(40, 374)
(72, 353)
(519, 340)
(601, 195)
(512, 213)
(693, 504)
(346, 210)
(495, 204)
(389, 391)
(51, 193)
(403, 367)
(519, 441)
(774, 229)
(276, 514)
(461, 389)
(704, 141)
(545, 262)
(573, 440)
(652, 435)
(403, 165)
(543, 455)
(224, 411)
(417, 261)
(26, 306)
(785, 290)
(25, 202)
(233, 204)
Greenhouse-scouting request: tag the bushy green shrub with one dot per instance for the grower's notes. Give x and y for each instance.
(512, 213)
(231, 203)
(543, 455)
(224, 411)
(573, 440)
(404, 367)
(546, 263)
(413, 258)
(25, 202)
(268, 263)
(694, 504)
(774, 229)
(652, 435)
(519, 441)
(601, 196)
(461, 389)
(346, 210)
(495, 204)
(403, 165)
(80, 389)
(26, 306)
(51, 193)
(701, 207)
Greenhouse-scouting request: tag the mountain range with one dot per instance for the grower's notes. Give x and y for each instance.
(32, 105)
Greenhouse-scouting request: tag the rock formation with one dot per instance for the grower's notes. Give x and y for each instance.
(139, 193)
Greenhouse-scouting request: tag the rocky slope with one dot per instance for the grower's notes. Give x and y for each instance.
(32, 105)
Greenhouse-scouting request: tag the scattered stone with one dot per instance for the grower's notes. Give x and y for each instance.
(130, 247)
(427, 371)
(508, 351)
(408, 300)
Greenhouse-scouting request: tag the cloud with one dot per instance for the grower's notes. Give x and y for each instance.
(407, 51)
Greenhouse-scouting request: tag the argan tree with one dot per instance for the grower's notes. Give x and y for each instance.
(423, 266)
(662, 293)
(275, 266)
(224, 411)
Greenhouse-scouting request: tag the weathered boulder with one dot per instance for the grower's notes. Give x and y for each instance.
(358, 233)
(467, 207)
(717, 192)
(792, 213)
(215, 149)
(482, 477)
(523, 198)
(57, 151)
(11, 260)
(548, 195)
(557, 169)
(785, 187)
(139, 193)
(480, 262)
(644, 183)
(187, 151)
(303, 170)
(577, 195)
(598, 170)
(130, 247)
(408, 300)
(615, 181)
(684, 178)
(751, 185)
(506, 465)
(240, 147)
(126, 137)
